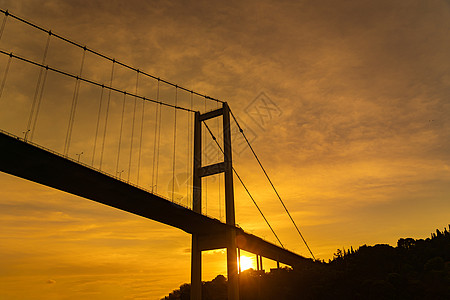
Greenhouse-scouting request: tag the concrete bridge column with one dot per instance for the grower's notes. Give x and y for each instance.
(232, 270)
(196, 252)
(196, 269)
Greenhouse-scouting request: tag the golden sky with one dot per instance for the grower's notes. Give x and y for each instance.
(357, 142)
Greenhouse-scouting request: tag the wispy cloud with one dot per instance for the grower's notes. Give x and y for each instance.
(360, 153)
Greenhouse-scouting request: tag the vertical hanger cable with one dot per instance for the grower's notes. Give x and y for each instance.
(74, 107)
(206, 162)
(98, 123)
(220, 174)
(174, 143)
(156, 140)
(36, 92)
(140, 141)
(107, 114)
(120, 133)
(5, 74)
(41, 93)
(132, 126)
(3, 24)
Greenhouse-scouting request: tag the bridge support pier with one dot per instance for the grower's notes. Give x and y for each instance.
(196, 269)
(232, 268)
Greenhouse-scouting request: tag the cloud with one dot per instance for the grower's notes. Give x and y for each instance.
(360, 151)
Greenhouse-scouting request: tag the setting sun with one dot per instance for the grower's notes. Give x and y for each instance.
(247, 263)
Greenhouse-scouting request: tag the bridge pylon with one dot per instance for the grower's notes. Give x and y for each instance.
(214, 241)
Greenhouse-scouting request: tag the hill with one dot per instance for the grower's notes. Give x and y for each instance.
(414, 269)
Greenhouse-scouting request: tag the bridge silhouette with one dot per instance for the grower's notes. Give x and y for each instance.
(35, 120)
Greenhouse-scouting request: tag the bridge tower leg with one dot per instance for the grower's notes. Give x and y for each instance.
(196, 252)
(199, 171)
(232, 268)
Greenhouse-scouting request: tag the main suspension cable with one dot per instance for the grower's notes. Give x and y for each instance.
(110, 88)
(245, 187)
(103, 55)
(114, 89)
(270, 181)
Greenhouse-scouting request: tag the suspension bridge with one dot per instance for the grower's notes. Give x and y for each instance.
(77, 120)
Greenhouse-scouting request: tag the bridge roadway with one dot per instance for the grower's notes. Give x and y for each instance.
(31, 162)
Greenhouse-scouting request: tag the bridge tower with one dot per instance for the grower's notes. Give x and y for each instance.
(228, 239)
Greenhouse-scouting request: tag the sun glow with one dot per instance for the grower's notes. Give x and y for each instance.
(247, 263)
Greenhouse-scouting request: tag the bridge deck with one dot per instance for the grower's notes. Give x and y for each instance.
(33, 163)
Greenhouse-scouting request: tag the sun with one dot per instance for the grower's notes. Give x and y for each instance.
(246, 263)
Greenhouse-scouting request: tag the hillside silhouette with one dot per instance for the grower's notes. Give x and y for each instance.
(414, 269)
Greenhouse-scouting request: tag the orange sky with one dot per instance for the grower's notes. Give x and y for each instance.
(358, 143)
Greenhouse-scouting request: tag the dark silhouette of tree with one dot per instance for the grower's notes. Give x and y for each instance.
(415, 269)
(406, 243)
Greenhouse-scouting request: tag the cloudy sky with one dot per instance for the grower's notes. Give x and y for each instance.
(356, 138)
